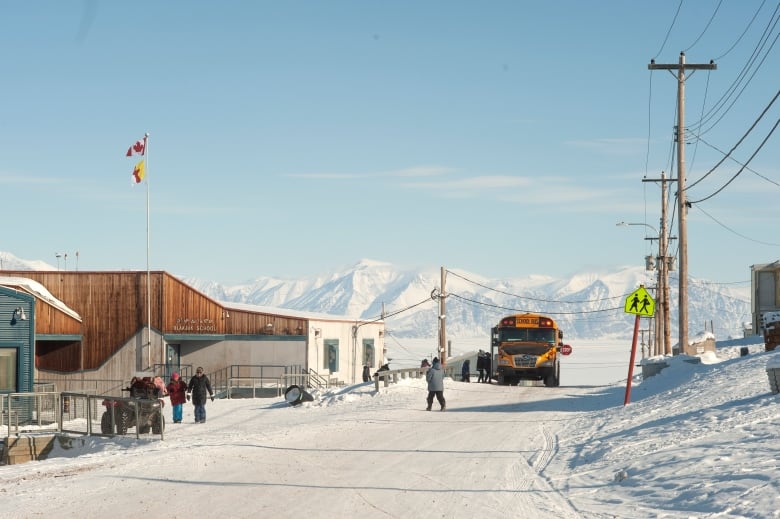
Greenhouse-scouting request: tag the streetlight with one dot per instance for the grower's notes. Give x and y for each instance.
(649, 260)
(663, 325)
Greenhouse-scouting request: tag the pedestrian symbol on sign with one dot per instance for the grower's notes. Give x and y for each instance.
(640, 303)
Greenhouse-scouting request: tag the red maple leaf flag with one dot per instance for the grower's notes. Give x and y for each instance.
(139, 148)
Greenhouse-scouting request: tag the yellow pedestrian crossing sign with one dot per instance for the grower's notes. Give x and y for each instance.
(639, 302)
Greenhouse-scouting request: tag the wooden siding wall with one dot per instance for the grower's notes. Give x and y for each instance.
(190, 312)
(50, 320)
(245, 323)
(112, 306)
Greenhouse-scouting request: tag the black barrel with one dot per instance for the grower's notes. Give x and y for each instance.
(295, 395)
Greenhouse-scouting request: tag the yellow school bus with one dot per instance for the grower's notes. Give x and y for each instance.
(527, 347)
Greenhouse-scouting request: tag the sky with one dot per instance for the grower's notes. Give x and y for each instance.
(288, 139)
(695, 441)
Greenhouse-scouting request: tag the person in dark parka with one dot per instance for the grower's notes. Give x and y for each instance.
(198, 386)
(366, 373)
(465, 371)
(481, 366)
(435, 378)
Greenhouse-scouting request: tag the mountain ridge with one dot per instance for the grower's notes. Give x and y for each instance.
(587, 305)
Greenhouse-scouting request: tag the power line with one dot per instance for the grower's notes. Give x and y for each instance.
(740, 169)
(735, 232)
(393, 314)
(703, 104)
(532, 298)
(516, 310)
(730, 91)
(739, 163)
(668, 32)
(752, 126)
(755, 15)
(705, 27)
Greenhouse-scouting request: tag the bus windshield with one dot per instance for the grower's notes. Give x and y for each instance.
(528, 335)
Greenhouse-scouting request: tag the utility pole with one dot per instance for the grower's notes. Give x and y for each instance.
(663, 274)
(442, 323)
(682, 205)
(663, 316)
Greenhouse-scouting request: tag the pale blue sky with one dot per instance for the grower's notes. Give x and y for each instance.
(506, 138)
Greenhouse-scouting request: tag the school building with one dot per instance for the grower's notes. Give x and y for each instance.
(93, 330)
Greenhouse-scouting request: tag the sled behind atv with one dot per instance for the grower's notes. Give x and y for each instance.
(143, 409)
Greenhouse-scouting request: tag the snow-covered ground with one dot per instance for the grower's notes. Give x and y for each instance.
(697, 440)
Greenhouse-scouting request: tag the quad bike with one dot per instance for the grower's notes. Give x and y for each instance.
(120, 414)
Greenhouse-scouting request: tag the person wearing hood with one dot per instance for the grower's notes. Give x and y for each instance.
(198, 386)
(177, 390)
(435, 378)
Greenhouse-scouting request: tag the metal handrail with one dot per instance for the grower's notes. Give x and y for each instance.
(393, 375)
(252, 382)
(315, 379)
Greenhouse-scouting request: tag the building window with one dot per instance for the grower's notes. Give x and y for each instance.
(368, 352)
(8, 370)
(331, 355)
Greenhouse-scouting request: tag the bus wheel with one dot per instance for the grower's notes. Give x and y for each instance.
(553, 377)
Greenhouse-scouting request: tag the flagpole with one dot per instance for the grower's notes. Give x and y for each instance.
(148, 274)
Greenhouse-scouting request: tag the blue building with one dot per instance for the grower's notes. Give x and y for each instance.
(17, 341)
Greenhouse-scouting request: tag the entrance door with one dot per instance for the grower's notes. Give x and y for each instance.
(172, 359)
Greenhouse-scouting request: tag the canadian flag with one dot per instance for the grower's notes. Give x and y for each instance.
(137, 149)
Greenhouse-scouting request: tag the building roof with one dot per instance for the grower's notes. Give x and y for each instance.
(39, 291)
(300, 314)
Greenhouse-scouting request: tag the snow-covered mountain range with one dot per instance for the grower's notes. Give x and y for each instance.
(588, 305)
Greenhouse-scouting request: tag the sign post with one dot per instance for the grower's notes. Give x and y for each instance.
(640, 303)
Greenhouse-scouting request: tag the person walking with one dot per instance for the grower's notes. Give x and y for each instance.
(435, 378)
(366, 373)
(198, 386)
(465, 371)
(177, 390)
(481, 366)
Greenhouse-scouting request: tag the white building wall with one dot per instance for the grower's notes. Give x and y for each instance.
(348, 365)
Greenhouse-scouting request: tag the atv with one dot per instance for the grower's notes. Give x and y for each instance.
(120, 414)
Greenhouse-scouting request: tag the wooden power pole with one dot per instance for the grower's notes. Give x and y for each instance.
(663, 253)
(442, 319)
(682, 205)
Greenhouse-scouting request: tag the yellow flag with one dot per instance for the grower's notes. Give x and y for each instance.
(139, 172)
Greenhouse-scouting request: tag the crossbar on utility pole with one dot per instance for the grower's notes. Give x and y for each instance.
(682, 205)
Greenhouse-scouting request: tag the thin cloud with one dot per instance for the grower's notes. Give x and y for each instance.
(422, 171)
(327, 176)
(627, 146)
(557, 190)
(415, 171)
(19, 179)
(474, 183)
